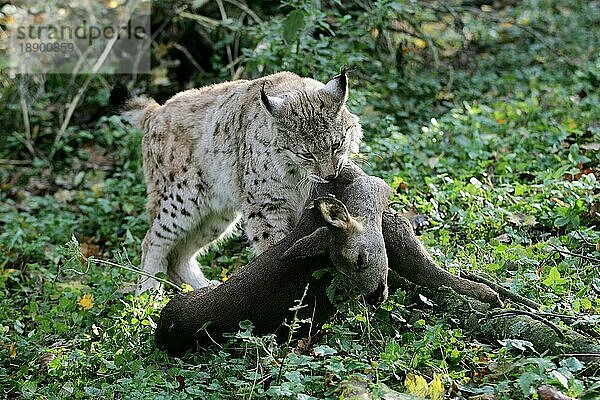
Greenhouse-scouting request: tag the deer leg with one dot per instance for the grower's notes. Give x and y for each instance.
(408, 258)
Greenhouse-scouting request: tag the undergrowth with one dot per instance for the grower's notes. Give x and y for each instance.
(484, 120)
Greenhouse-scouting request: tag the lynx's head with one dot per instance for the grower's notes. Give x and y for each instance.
(315, 130)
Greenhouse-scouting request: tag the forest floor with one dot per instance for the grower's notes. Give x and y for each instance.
(497, 147)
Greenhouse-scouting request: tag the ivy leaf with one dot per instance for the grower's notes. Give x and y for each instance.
(553, 278)
(292, 26)
(528, 382)
(324, 350)
(561, 378)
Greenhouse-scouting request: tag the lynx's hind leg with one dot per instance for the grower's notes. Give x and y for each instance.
(178, 210)
(183, 266)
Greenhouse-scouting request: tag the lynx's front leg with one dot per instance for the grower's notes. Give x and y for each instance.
(265, 232)
(272, 209)
(269, 221)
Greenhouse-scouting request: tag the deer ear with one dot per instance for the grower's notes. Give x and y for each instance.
(272, 103)
(337, 88)
(336, 214)
(309, 246)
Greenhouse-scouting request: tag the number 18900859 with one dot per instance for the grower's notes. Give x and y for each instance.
(56, 47)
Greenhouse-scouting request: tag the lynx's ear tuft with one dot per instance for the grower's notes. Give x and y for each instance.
(337, 88)
(272, 103)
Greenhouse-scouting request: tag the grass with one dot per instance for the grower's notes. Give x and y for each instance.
(500, 153)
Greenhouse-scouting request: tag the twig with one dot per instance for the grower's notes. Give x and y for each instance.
(458, 20)
(24, 142)
(427, 38)
(293, 326)
(246, 9)
(508, 313)
(228, 47)
(591, 244)
(148, 43)
(207, 22)
(25, 112)
(592, 259)
(136, 270)
(577, 355)
(4, 161)
(189, 56)
(69, 114)
(502, 290)
(211, 338)
(255, 375)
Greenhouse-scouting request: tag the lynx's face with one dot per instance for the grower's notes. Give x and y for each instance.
(315, 131)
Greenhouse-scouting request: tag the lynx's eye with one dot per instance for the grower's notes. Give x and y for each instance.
(335, 147)
(306, 156)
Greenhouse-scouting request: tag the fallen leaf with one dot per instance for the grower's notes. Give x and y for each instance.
(416, 384)
(98, 189)
(89, 250)
(433, 161)
(181, 382)
(550, 393)
(64, 196)
(436, 388)
(590, 146)
(401, 186)
(45, 360)
(503, 238)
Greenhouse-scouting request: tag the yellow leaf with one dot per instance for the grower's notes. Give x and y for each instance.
(416, 384)
(224, 278)
(97, 188)
(436, 388)
(12, 352)
(420, 43)
(86, 302)
(500, 121)
(186, 288)
(571, 124)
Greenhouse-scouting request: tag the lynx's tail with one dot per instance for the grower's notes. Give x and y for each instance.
(138, 109)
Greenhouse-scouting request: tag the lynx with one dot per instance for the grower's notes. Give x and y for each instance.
(247, 149)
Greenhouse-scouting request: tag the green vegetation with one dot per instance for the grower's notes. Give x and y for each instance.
(485, 119)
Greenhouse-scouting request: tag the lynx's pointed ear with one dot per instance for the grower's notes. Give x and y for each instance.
(309, 246)
(272, 104)
(337, 88)
(336, 214)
